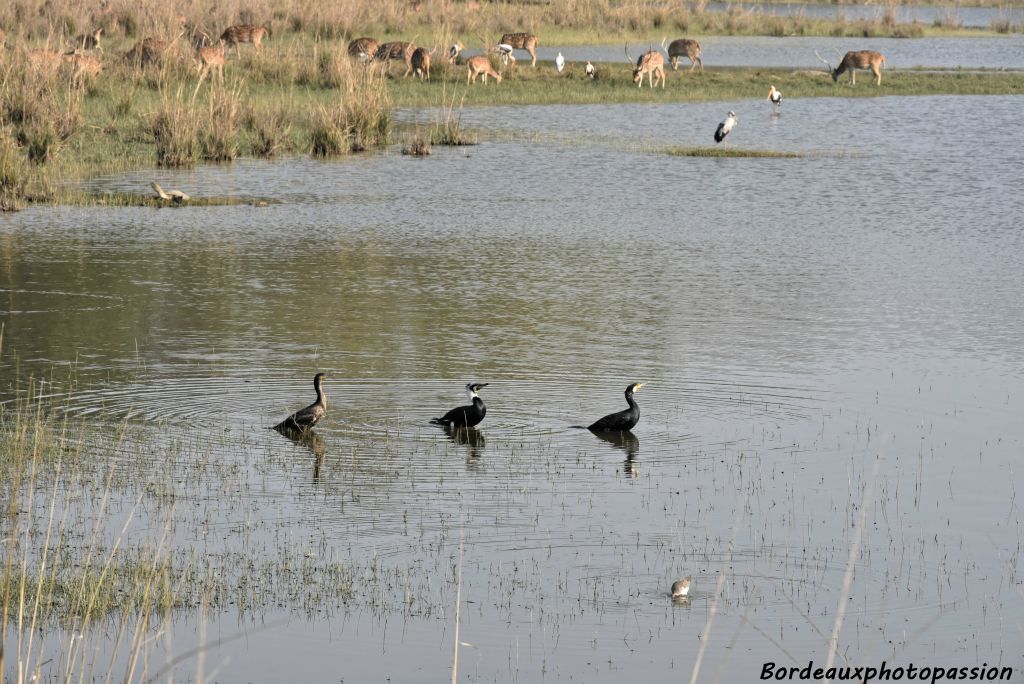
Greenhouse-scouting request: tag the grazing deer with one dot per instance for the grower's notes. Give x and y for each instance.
(147, 51)
(480, 65)
(420, 63)
(211, 59)
(363, 48)
(684, 47)
(454, 51)
(396, 50)
(651, 63)
(82, 66)
(860, 59)
(522, 41)
(234, 36)
(89, 41)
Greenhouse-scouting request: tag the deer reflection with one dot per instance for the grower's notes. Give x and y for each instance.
(467, 436)
(629, 443)
(309, 440)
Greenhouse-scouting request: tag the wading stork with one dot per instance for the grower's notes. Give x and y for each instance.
(725, 127)
(505, 50)
(560, 62)
(453, 51)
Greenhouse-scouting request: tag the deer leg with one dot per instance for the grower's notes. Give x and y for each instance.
(533, 54)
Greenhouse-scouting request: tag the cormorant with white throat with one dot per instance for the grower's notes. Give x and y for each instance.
(466, 416)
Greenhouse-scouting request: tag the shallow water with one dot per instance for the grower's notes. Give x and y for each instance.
(798, 52)
(799, 321)
(978, 17)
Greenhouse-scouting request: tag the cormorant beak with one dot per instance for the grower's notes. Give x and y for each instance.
(638, 385)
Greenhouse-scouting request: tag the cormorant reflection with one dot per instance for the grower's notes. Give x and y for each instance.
(629, 443)
(309, 440)
(467, 436)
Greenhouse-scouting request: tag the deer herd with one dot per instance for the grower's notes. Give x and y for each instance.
(82, 56)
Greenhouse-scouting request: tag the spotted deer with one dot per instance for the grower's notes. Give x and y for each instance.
(651, 64)
(211, 60)
(234, 36)
(82, 66)
(89, 41)
(480, 65)
(420, 63)
(860, 59)
(684, 47)
(397, 50)
(147, 51)
(522, 41)
(363, 48)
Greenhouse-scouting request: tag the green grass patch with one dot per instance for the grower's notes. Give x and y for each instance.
(543, 86)
(729, 152)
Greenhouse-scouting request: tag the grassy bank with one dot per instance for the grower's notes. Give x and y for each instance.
(56, 129)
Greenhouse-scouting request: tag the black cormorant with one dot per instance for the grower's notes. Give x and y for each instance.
(466, 416)
(622, 420)
(306, 418)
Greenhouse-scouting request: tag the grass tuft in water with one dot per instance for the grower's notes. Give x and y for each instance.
(729, 152)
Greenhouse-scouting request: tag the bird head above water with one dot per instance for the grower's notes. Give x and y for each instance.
(635, 387)
(473, 387)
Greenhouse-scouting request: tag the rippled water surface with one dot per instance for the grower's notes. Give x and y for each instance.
(832, 421)
(1004, 52)
(949, 15)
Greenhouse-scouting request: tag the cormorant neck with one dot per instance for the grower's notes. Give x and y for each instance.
(630, 400)
(321, 398)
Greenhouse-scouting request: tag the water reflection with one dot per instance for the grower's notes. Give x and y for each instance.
(309, 440)
(470, 437)
(627, 442)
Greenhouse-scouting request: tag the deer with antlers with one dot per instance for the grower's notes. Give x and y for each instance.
(651, 63)
(853, 60)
